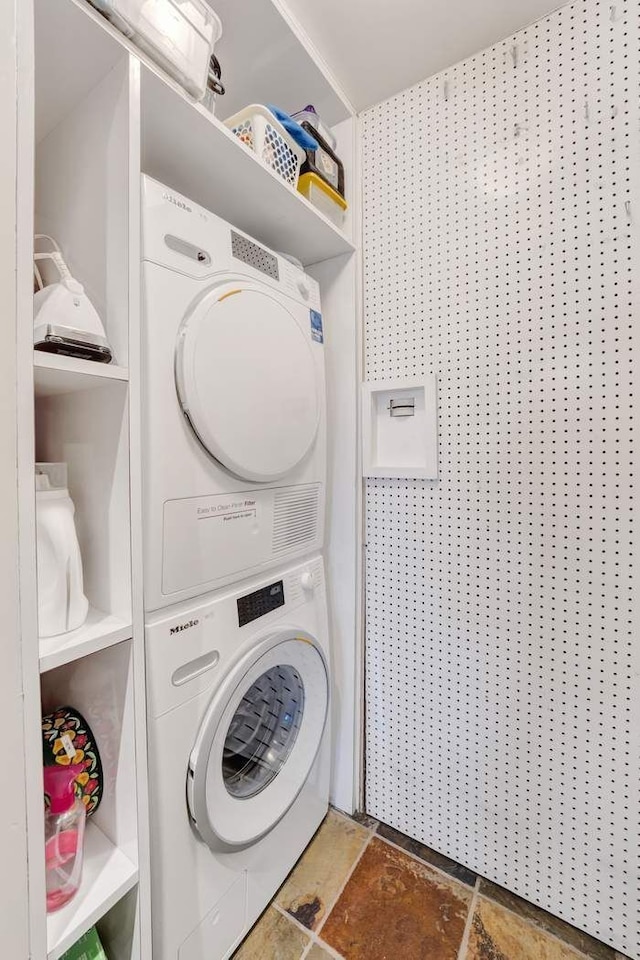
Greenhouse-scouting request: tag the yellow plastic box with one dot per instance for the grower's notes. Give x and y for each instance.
(324, 197)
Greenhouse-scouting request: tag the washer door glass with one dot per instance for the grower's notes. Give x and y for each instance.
(247, 380)
(259, 740)
(263, 731)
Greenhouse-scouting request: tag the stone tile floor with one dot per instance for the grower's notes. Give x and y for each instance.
(363, 891)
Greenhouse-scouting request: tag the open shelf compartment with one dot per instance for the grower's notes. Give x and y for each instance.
(187, 148)
(89, 431)
(101, 688)
(107, 876)
(82, 135)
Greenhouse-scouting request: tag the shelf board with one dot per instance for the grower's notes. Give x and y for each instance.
(106, 877)
(191, 151)
(55, 374)
(100, 630)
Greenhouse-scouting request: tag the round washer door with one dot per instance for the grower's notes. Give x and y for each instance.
(247, 381)
(259, 740)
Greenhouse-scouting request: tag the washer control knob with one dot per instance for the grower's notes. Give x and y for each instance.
(307, 580)
(303, 289)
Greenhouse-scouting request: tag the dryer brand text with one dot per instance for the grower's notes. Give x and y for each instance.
(176, 202)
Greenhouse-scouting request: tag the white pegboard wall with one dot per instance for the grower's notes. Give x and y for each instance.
(501, 218)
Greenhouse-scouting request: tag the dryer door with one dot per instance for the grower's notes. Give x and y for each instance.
(259, 740)
(247, 382)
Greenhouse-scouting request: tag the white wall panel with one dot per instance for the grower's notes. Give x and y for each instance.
(377, 48)
(501, 218)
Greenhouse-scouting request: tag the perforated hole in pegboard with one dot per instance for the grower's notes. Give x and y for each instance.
(501, 213)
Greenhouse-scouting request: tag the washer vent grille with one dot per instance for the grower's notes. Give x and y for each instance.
(256, 256)
(295, 518)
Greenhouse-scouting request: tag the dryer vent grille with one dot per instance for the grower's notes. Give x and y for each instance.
(256, 256)
(295, 518)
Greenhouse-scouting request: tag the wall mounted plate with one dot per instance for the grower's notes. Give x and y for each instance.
(400, 428)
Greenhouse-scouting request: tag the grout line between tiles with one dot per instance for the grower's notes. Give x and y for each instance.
(536, 926)
(314, 934)
(291, 918)
(307, 950)
(474, 890)
(462, 952)
(314, 939)
(342, 888)
(329, 950)
(425, 863)
(476, 895)
(479, 895)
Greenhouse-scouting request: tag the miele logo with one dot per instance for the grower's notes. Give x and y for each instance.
(176, 202)
(179, 627)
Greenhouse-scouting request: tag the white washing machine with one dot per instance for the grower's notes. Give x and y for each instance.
(234, 418)
(238, 727)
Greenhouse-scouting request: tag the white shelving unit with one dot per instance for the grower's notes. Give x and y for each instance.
(94, 114)
(107, 876)
(183, 144)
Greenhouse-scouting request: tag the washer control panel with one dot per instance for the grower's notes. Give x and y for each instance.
(260, 602)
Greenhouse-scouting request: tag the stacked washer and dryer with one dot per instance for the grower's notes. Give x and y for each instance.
(237, 648)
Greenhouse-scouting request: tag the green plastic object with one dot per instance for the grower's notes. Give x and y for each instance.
(88, 947)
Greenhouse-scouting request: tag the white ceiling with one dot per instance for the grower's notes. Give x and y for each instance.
(376, 48)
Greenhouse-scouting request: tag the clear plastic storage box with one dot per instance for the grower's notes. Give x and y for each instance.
(178, 34)
(323, 197)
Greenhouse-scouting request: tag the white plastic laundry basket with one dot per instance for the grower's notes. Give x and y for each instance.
(256, 127)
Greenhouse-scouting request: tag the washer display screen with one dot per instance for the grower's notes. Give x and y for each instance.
(257, 604)
(262, 732)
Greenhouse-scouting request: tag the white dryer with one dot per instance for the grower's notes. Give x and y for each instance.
(238, 729)
(234, 419)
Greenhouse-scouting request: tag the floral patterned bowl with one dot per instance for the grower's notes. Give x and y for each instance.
(68, 739)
